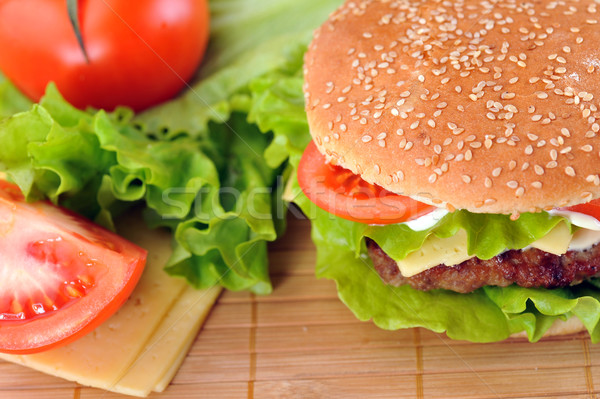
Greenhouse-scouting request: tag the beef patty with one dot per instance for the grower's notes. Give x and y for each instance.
(526, 268)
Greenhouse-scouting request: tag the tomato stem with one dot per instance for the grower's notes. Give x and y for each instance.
(73, 10)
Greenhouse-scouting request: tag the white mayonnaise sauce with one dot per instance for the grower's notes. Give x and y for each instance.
(578, 219)
(588, 235)
(426, 221)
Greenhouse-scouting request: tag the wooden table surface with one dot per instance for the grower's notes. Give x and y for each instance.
(302, 342)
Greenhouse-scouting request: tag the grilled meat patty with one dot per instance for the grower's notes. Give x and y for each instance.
(526, 268)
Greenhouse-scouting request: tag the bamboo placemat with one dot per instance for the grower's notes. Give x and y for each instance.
(302, 342)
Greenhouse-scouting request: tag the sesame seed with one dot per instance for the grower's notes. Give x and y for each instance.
(538, 170)
(366, 138)
(570, 171)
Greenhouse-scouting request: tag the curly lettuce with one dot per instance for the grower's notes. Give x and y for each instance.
(197, 164)
(99, 164)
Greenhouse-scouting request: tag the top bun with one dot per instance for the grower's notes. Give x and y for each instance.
(478, 105)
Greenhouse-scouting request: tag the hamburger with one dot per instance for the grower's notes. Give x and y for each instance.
(455, 163)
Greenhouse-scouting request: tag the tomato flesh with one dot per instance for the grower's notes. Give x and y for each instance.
(591, 208)
(341, 192)
(60, 275)
(140, 53)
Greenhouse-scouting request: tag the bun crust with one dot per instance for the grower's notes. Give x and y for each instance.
(484, 106)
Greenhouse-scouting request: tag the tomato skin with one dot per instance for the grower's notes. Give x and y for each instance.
(341, 192)
(140, 52)
(591, 208)
(62, 275)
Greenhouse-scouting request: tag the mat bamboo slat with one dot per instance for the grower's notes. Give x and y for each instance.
(302, 342)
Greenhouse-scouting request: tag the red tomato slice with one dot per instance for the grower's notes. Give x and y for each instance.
(60, 275)
(591, 208)
(341, 192)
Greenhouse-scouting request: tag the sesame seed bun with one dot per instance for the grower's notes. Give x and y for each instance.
(484, 106)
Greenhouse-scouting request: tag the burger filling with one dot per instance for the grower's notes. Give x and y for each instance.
(565, 254)
(527, 268)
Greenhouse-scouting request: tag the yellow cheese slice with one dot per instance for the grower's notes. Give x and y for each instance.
(453, 250)
(557, 241)
(449, 251)
(156, 366)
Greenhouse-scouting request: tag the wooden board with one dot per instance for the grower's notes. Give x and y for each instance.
(301, 342)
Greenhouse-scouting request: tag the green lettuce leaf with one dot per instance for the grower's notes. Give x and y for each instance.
(487, 234)
(99, 164)
(11, 99)
(249, 40)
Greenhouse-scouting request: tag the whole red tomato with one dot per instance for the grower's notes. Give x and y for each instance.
(141, 52)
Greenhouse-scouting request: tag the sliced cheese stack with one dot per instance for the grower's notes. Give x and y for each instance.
(140, 348)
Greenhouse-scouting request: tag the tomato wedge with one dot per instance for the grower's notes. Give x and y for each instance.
(591, 208)
(341, 192)
(60, 275)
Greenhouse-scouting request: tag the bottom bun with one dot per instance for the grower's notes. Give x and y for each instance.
(570, 326)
